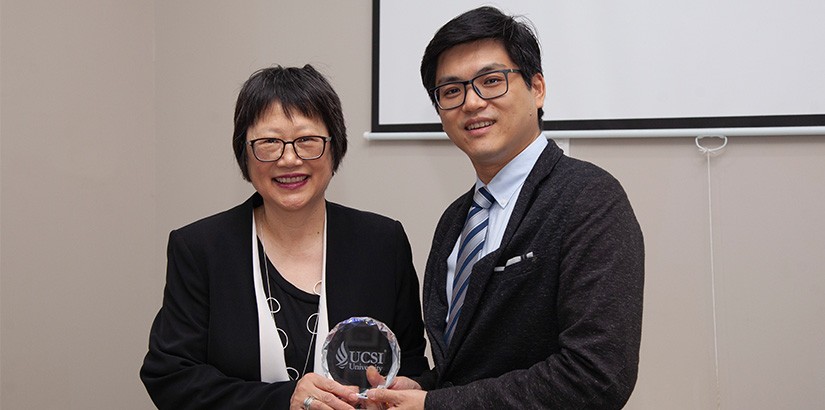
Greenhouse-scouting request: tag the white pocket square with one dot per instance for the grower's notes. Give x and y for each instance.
(514, 260)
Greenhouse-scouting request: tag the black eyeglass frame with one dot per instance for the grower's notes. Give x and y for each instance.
(506, 71)
(251, 145)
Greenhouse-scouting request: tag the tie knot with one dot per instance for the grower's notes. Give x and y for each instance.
(483, 198)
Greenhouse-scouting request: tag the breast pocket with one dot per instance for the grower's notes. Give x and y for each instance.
(516, 267)
(523, 278)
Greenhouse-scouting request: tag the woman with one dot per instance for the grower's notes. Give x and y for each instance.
(252, 292)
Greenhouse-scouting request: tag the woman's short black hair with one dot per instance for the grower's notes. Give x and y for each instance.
(304, 90)
(518, 37)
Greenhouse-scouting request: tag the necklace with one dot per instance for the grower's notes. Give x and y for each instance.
(272, 302)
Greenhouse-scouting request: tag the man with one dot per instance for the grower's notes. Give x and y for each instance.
(543, 307)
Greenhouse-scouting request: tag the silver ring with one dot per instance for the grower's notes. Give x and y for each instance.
(308, 402)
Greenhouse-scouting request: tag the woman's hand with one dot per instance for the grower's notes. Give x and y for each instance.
(325, 394)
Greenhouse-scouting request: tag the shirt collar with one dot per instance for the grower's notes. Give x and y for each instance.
(513, 175)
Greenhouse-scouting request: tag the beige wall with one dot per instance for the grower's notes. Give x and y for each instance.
(78, 202)
(115, 123)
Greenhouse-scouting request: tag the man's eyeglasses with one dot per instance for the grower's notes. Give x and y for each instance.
(272, 149)
(489, 85)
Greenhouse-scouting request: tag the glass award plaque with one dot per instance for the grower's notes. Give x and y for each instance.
(356, 344)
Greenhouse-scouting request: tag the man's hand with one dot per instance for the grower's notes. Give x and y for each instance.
(398, 399)
(403, 393)
(399, 383)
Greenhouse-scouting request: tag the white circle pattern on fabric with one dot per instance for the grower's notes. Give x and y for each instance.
(312, 325)
(269, 301)
(293, 373)
(284, 338)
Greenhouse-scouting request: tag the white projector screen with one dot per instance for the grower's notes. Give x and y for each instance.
(630, 67)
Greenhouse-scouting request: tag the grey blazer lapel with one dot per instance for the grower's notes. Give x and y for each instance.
(478, 281)
(435, 293)
(529, 192)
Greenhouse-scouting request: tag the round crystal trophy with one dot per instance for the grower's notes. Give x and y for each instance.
(356, 344)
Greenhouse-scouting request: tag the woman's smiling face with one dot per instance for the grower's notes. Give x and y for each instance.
(290, 183)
